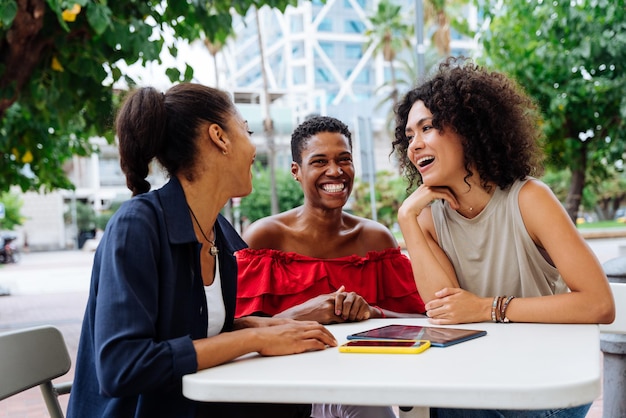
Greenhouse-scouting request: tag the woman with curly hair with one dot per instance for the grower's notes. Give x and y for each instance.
(487, 240)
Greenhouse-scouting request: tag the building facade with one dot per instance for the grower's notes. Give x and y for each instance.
(318, 61)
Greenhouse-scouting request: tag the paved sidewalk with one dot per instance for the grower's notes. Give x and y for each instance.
(46, 288)
(52, 287)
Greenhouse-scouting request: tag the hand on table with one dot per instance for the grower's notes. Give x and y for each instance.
(295, 337)
(456, 306)
(339, 306)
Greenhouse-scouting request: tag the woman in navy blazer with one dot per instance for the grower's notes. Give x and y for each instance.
(164, 279)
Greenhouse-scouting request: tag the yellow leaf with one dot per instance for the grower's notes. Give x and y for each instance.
(56, 65)
(69, 15)
(28, 157)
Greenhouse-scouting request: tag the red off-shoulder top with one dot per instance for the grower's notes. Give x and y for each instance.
(271, 281)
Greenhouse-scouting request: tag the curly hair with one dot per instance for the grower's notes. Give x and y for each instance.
(312, 126)
(499, 124)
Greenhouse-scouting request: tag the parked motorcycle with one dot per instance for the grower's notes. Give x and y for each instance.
(9, 252)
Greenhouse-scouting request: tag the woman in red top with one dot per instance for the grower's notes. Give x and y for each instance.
(316, 261)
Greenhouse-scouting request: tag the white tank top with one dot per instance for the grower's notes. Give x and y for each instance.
(215, 303)
(492, 253)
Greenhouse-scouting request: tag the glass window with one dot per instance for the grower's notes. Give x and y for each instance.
(328, 48)
(362, 78)
(325, 25)
(354, 51)
(297, 24)
(353, 26)
(297, 50)
(348, 5)
(322, 75)
(298, 75)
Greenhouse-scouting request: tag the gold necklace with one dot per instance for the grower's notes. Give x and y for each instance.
(213, 250)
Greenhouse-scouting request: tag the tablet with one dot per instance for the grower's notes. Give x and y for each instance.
(438, 337)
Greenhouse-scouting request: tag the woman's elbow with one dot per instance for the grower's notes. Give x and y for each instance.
(603, 313)
(113, 383)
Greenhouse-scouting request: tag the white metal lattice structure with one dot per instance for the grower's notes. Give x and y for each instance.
(316, 63)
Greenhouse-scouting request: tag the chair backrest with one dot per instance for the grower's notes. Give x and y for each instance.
(33, 357)
(619, 325)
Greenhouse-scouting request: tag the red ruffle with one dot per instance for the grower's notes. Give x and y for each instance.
(271, 281)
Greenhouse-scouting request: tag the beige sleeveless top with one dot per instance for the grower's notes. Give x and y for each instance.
(492, 254)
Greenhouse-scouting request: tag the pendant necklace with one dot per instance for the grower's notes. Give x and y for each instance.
(213, 250)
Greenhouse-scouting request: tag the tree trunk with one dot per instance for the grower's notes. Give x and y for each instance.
(575, 194)
(21, 49)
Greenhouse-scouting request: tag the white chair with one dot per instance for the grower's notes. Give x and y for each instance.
(33, 357)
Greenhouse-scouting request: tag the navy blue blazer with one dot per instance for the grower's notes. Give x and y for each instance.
(146, 304)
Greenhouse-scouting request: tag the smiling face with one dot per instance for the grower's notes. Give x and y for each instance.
(437, 155)
(327, 171)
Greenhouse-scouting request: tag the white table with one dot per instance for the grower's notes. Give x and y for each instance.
(515, 366)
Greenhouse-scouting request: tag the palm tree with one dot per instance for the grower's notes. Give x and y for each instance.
(390, 34)
(406, 78)
(215, 47)
(444, 15)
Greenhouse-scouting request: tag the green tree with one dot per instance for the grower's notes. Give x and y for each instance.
(601, 196)
(390, 192)
(443, 16)
(85, 216)
(440, 17)
(12, 211)
(102, 219)
(60, 59)
(571, 57)
(258, 205)
(390, 34)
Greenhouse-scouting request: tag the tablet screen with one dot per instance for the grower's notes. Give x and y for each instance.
(438, 337)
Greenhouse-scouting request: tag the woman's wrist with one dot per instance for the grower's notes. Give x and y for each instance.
(379, 311)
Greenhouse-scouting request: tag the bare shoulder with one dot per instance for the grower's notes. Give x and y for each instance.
(377, 235)
(535, 196)
(267, 232)
(541, 211)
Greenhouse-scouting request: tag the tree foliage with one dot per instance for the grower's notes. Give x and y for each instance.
(12, 211)
(390, 191)
(571, 57)
(391, 34)
(59, 60)
(257, 204)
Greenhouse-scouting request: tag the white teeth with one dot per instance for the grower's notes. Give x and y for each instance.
(332, 188)
(425, 160)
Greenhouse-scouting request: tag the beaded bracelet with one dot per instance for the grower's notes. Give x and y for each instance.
(494, 304)
(505, 305)
(499, 308)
